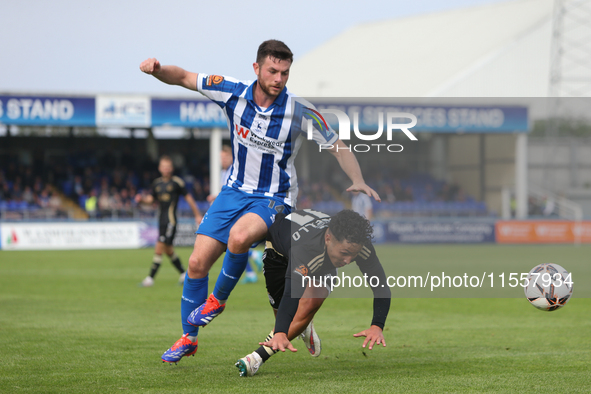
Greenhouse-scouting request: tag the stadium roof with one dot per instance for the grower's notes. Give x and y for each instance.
(498, 50)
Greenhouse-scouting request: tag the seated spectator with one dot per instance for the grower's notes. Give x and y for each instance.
(406, 194)
(5, 194)
(104, 203)
(29, 197)
(44, 198)
(78, 188)
(91, 204)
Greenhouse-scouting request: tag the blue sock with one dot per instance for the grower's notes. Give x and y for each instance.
(248, 267)
(232, 269)
(194, 294)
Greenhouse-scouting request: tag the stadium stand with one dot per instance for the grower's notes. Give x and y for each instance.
(85, 183)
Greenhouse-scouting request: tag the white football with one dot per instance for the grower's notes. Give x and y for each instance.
(549, 287)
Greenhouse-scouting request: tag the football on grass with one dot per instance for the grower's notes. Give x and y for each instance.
(549, 287)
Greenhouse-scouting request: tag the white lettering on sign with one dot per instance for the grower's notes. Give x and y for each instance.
(467, 117)
(31, 109)
(194, 112)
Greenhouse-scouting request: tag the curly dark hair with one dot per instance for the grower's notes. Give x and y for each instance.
(351, 226)
(273, 48)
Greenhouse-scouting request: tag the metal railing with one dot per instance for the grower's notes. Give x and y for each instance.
(565, 208)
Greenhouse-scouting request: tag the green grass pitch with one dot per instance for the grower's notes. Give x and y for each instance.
(77, 322)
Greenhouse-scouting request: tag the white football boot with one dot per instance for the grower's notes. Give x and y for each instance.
(148, 282)
(249, 364)
(311, 340)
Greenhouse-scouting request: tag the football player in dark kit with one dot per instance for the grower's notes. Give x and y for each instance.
(166, 190)
(303, 251)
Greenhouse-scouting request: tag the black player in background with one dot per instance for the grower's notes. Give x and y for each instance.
(166, 190)
(304, 249)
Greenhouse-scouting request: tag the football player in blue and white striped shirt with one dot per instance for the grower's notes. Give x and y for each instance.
(267, 125)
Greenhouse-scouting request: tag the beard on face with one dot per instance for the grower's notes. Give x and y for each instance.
(266, 90)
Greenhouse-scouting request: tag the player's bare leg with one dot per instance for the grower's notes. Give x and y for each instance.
(205, 253)
(156, 262)
(249, 229)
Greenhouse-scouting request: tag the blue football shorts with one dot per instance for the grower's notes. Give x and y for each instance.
(231, 204)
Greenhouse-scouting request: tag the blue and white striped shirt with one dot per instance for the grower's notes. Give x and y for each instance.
(265, 141)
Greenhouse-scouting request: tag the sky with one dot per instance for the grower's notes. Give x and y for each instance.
(90, 47)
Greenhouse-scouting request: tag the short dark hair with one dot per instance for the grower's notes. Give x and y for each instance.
(350, 226)
(166, 158)
(273, 48)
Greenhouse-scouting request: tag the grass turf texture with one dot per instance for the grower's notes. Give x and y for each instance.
(76, 321)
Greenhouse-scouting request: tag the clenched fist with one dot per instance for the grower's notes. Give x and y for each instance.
(150, 66)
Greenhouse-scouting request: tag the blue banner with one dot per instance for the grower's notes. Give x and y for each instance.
(126, 111)
(434, 118)
(47, 110)
(187, 113)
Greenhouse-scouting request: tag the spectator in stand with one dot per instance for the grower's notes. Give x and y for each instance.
(29, 196)
(91, 204)
(146, 182)
(406, 194)
(429, 193)
(104, 203)
(388, 194)
(397, 189)
(78, 188)
(454, 190)
(38, 186)
(5, 194)
(17, 193)
(44, 197)
(55, 202)
(549, 206)
(198, 191)
(115, 201)
(28, 177)
(443, 194)
(460, 195)
(361, 203)
(126, 206)
(534, 209)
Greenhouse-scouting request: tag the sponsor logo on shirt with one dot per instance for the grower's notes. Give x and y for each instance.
(302, 270)
(214, 80)
(242, 131)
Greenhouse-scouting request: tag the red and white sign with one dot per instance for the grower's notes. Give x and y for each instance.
(48, 236)
(525, 232)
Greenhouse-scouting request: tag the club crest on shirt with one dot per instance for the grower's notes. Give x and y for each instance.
(259, 126)
(214, 80)
(302, 270)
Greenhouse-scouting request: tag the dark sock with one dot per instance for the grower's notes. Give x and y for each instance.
(156, 261)
(174, 259)
(265, 351)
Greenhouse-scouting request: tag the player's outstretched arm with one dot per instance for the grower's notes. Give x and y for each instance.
(194, 208)
(171, 75)
(373, 335)
(350, 165)
(279, 342)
